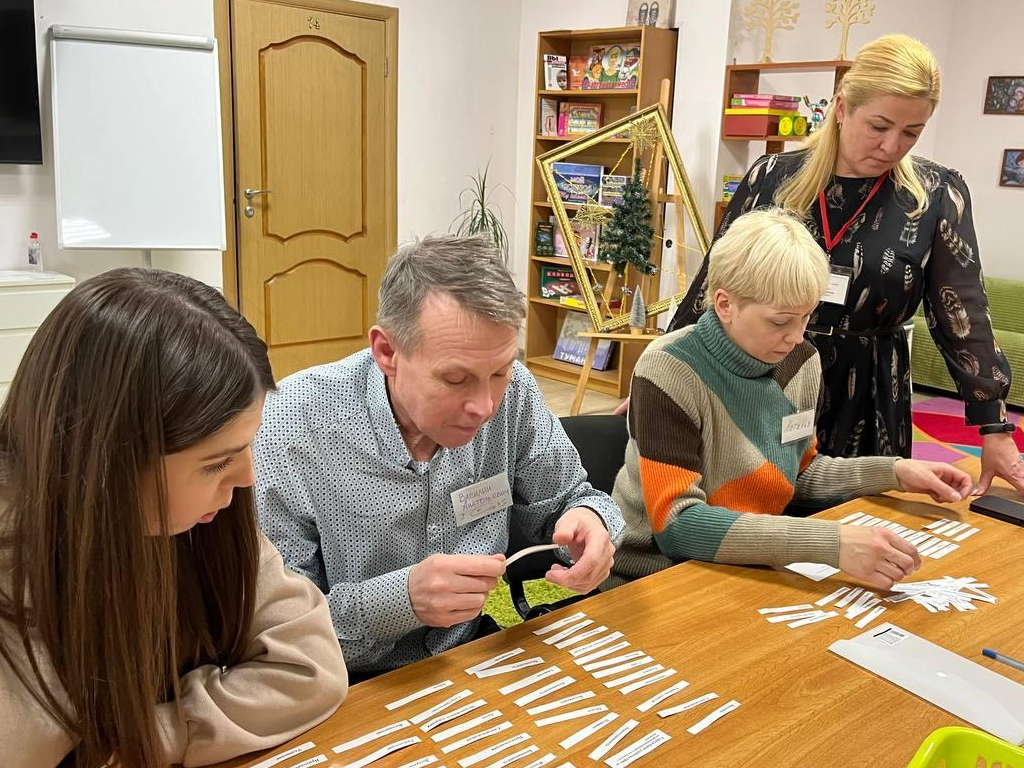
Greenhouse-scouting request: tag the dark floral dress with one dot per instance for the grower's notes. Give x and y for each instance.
(896, 261)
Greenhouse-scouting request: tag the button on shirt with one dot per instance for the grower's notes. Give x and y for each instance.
(347, 506)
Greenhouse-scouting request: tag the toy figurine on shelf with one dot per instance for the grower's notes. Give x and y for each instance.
(817, 112)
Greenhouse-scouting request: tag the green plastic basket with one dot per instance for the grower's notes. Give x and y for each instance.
(966, 748)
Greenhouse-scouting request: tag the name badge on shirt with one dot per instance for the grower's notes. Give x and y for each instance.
(838, 285)
(481, 499)
(797, 426)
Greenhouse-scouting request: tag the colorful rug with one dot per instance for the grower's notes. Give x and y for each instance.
(941, 435)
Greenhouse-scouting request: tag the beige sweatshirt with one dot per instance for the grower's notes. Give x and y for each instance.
(292, 679)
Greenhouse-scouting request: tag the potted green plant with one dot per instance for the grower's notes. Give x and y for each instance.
(481, 216)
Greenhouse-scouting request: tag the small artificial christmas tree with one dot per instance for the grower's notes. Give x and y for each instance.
(638, 313)
(627, 238)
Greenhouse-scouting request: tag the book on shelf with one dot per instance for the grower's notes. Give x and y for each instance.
(612, 188)
(544, 239)
(570, 348)
(730, 183)
(776, 96)
(770, 102)
(577, 118)
(578, 183)
(556, 282)
(587, 239)
(577, 69)
(612, 66)
(548, 117)
(759, 112)
(555, 76)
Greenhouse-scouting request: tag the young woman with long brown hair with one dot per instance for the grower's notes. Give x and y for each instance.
(144, 619)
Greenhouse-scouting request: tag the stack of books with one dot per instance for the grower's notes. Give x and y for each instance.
(758, 114)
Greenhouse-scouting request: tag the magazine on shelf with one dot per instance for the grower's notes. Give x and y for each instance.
(612, 66)
(587, 238)
(555, 76)
(548, 117)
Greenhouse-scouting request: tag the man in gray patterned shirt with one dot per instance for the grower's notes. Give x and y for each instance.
(390, 478)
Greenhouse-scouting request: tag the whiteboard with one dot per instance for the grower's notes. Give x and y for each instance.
(136, 140)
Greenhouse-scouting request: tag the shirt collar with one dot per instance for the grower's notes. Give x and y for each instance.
(389, 436)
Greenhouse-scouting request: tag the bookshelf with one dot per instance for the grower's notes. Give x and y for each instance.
(545, 316)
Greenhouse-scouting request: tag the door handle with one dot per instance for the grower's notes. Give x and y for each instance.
(251, 193)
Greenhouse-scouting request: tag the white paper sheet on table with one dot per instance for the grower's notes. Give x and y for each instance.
(963, 688)
(813, 571)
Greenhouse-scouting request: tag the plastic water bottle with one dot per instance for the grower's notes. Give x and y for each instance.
(35, 256)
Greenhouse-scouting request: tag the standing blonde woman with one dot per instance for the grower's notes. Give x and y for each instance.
(144, 619)
(897, 229)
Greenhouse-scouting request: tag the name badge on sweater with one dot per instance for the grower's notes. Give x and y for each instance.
(838, 285)
(481, 499)
(797, 426)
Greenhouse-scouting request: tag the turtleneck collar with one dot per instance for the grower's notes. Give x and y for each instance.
(722, 348)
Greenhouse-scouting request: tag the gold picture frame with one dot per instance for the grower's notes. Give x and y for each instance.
(646, 128)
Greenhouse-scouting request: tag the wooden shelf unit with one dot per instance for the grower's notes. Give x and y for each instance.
(545, 316)
(746, 78)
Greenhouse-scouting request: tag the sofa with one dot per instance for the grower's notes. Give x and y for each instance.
(1006, 302)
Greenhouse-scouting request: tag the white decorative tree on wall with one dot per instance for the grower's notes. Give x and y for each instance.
(771, 15)
(847, 13)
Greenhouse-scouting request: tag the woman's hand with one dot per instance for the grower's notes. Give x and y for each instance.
(943, 482)
(876, 555)
(1000, 458)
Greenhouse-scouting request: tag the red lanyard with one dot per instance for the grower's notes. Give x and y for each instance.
(830, 242)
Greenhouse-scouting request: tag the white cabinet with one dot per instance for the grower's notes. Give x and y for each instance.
(25, 299)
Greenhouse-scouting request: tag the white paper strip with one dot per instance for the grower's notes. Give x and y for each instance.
(870, 617)
(530, 551)
(486, 733)
(564, 702)
(611, 671)
(418, 695)
(526, 682)
(546, 690)
(946, 550)
(851, 518)
(812, 620)
(384, 751)
(856, 610)
(540, 762)
(509, 759)
(318, 760)
(967, 534)
(380, 733)
(586, 733)
(612, 661)
(495, 660)
(486, 754)
(559, 624)
(849, 598)
(718, 714)
(581, 660)
(620, 733)
(505, 669)
(944, 529)
(813, 571)
(918, 538)
(570, 630)
(657, 698)
(638, 749)
(784, 609)
(447, 733)
(638, 675)
(573, 715)
(429, 713)
(861, 520)
(792, 617)
(936, 524)
(834, 596)
(927, 550)
(455, 714)
(421, 763)
(288, 753)
(957, 529)
(687, 706)
(593, 645)
(647, 681)
(581, 637)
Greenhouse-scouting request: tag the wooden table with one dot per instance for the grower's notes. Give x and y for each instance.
(801, 704)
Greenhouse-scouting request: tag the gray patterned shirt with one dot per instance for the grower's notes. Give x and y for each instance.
(348, 507)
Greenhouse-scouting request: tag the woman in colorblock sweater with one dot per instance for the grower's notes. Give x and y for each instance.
(721, 423)
(144, 619)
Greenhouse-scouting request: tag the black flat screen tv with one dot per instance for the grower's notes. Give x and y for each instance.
(20, 136)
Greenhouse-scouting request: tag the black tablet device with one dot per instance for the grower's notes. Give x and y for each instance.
(1001, 509)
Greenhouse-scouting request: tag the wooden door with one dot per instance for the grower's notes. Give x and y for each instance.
(315, 127)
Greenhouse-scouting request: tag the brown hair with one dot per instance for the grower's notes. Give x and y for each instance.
(131, 365)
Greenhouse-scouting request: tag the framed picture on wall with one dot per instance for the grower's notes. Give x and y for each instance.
(1011, 174)
(650, 13)
(1005, 96)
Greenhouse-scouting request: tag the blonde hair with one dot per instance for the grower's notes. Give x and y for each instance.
(768, 257)
(892, 65)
